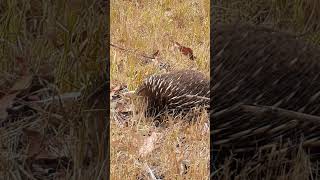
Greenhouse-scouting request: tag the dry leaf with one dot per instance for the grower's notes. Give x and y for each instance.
(5, 103)
(149, 144)
(116, 88)
(38, 145)
(23, 65)
(46, 72)
(41, 156)
(34, 142)
(156, 54)
(21, 84)
(185, 50)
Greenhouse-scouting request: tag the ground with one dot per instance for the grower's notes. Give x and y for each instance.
(145, 38)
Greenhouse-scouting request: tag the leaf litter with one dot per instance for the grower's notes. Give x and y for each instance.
(45, 156)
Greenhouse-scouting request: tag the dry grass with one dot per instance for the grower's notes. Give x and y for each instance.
(180, 148)
(298, 16)
(148, 26)
(272, 165)
(61, 45)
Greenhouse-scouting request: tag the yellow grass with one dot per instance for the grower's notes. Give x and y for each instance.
(148, 26)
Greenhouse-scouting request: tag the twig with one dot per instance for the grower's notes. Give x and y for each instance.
(281, 112)
(152, 176)
(132, 51)
(259, 109)
(64, 97)
(149, 171)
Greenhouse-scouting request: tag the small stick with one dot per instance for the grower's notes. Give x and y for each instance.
(132, 51)
(152, 176)
(281, 112)
(259, 109)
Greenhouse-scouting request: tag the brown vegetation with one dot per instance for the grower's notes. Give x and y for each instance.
(52, 75)
(152, 38)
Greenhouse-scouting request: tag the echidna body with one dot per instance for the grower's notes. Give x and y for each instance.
(175, 92)
(261, 66)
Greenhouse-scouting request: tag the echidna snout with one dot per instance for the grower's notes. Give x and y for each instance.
(177, 91)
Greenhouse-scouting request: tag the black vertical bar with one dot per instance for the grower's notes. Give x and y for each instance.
(212, 153)
(107, 91)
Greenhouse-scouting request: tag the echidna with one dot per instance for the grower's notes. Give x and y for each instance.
(260, 66)
(175, 92)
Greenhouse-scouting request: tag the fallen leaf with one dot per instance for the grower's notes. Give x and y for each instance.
(156, 54)
(123, 106)
(7, 100)
(34, 142)
(38, 145)
(45, 153)
(184, 50)
(149, 144)
(22, 64)
(117, 88)
(5, 103)
(46, 72)
(21, 84)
